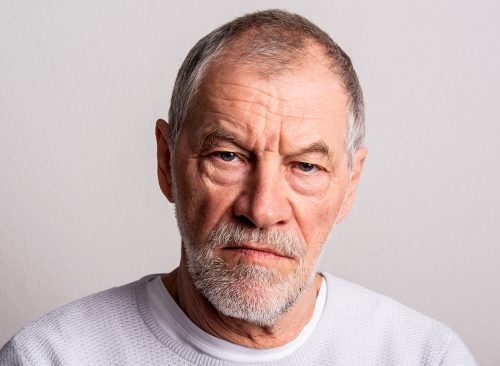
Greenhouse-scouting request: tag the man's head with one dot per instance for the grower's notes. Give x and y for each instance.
(274, 41)
(264, 157)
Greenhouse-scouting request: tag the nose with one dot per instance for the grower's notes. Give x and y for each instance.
(263, 201)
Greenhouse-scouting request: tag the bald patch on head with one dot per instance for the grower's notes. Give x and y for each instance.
(270, 54)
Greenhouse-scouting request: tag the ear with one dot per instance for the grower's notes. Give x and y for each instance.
(164, 161)
(357, 167)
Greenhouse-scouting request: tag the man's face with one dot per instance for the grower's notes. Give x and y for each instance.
(260, 177)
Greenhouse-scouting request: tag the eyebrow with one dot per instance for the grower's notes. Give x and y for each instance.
(318, 147)
(210, 138)
(213, 135)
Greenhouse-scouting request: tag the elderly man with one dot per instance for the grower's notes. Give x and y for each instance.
(261, 157)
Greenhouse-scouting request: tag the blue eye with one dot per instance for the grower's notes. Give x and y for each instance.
(227, 155)
(306, 167)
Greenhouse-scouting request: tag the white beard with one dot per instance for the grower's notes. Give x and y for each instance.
(250, 292)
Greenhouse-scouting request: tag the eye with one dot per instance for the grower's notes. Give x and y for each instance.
(226, 155)
(307, 167)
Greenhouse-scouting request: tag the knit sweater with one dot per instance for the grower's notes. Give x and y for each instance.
(117, 327)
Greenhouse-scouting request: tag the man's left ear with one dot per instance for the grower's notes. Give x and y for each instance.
(164, 159)
(357, 166)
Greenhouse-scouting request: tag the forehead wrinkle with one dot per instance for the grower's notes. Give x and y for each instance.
(243, 136)
(256, 96)
(282, 114)
(269, 94)
(284, 108)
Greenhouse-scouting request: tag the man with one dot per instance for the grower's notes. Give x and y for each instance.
(261, 157)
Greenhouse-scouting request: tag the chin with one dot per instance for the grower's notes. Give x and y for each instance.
(250, 293)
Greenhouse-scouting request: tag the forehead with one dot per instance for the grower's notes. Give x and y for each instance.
(306, 98)
(292, 73)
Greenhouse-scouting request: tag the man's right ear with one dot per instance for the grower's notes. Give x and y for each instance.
(163, 156)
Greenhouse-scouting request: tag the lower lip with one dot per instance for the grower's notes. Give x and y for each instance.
(253, 254)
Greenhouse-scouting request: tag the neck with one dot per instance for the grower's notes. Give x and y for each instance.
(181, 287)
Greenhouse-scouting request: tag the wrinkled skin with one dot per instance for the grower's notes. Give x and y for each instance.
(261, 153)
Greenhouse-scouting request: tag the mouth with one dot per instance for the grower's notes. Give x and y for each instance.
(255, 251)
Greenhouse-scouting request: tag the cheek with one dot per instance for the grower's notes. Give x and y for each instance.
(316, 218)
(309, 185)
(204, 200)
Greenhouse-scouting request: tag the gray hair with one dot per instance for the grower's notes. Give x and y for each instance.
(277, 37)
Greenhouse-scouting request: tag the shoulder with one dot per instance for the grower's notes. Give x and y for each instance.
(352, 300)
(84, 322)
(370, 320)
(89, 311)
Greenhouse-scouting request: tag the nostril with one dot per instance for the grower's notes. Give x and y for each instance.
(245, 221)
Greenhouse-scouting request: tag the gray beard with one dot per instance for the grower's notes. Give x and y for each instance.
(249, 292)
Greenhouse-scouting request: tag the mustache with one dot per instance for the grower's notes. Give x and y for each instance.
(227, 235)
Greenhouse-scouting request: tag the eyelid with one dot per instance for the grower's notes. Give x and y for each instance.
(314, 166)
(221, 145)
(237, 154)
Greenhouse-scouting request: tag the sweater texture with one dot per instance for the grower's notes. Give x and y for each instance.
(117, 327)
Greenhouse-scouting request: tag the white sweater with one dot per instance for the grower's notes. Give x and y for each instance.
(117, 327)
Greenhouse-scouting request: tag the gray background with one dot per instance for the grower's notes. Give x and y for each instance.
(82, 83)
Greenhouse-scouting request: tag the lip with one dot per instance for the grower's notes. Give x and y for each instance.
(255, 250)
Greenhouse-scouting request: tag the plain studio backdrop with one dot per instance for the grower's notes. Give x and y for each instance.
(82, 84)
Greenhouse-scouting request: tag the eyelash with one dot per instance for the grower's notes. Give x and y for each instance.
(314, 167)
(220, 154)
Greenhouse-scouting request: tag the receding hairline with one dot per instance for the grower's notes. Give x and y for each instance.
(235, 56)
(239, 51)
